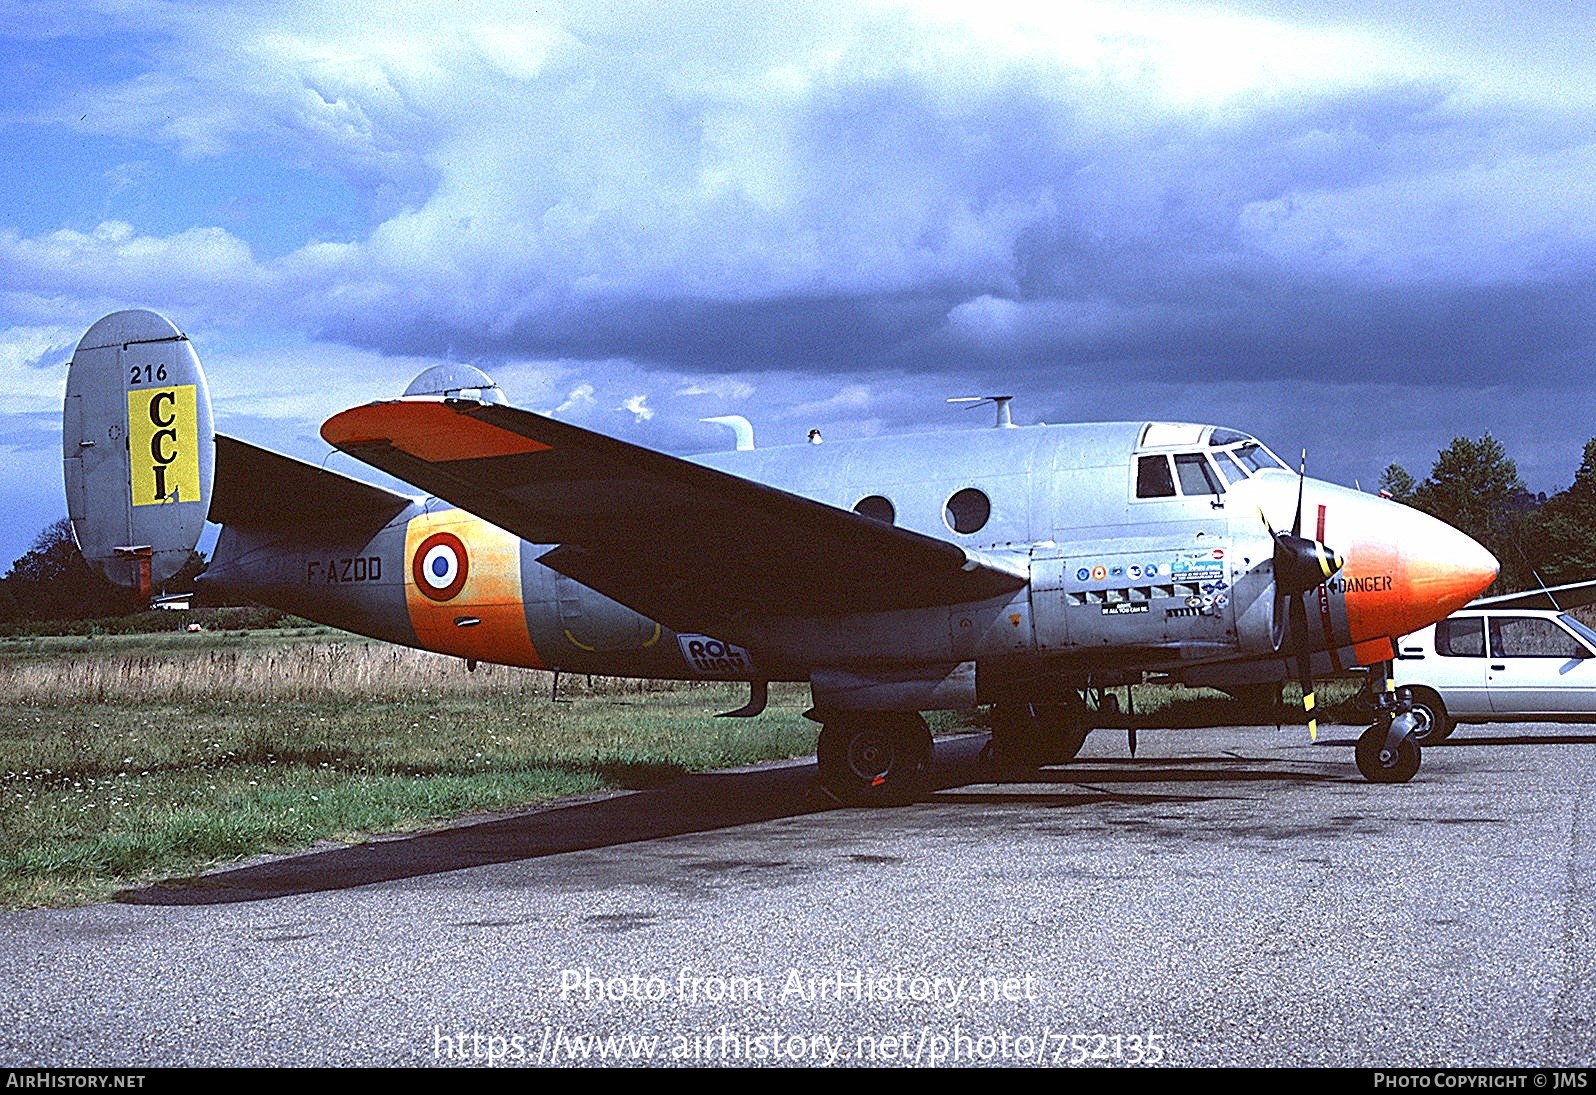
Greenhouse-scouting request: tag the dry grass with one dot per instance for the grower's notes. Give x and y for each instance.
(304, 672)
(124, 759)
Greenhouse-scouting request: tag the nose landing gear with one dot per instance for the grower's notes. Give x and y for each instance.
(1387, 751)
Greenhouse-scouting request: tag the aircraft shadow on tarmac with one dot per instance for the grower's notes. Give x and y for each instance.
(1513, 739)
(693, 804)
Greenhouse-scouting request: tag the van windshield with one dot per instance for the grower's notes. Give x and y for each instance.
(1579, 629)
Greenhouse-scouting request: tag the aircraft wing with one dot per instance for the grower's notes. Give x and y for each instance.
(258, 488)
(687, 545)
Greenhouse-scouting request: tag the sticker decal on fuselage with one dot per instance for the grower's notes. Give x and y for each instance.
(1198, 566)
(713, 658)
(163, 445)
(1125, 608)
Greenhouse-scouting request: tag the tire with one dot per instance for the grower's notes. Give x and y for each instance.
(1434, 723)
(1386, 769)
(1027, 736)
(878, 758)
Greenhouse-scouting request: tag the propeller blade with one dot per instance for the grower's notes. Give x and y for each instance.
(1299, 636)
(1300, 565)
(1302, 479)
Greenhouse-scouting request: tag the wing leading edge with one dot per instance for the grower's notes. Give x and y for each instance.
(687, 545)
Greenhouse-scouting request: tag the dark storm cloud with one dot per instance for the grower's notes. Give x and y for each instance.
(872, 189)
(1031, 228)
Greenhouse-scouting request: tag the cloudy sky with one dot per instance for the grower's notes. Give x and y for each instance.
(1357, 227)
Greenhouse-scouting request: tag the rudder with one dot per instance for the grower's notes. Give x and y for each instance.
(138, 448)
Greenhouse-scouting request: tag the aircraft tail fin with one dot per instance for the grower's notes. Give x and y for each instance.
(138, 448)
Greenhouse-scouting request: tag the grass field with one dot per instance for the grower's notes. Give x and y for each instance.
(123, 759)
(129, 758)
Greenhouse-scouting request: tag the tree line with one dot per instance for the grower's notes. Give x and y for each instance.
(1474, 487)
(52, 582)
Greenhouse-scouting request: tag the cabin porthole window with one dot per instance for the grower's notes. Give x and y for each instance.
(876, 508)
(967, 511)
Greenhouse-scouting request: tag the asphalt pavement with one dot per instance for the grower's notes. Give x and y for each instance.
(1228, 896)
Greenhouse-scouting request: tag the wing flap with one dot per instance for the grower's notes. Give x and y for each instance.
(687, 545)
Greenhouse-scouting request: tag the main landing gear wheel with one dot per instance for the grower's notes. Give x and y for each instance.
(1030, 735)
(1380, 763)
(878, 758)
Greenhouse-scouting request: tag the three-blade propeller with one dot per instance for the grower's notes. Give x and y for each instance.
(1300, 565)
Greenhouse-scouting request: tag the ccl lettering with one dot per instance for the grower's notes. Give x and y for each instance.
(163, 445)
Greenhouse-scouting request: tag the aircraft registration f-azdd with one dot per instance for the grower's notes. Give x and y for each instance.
(1018, 567)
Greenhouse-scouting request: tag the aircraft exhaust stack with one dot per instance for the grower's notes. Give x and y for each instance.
(138, 448)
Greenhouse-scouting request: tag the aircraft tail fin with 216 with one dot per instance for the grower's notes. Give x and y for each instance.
(138, 448)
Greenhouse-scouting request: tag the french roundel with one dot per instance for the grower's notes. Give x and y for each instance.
(440, 566)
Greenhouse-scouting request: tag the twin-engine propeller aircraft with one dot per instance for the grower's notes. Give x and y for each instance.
(1018, 567)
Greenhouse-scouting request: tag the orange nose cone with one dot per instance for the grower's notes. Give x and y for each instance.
(1445, 571)
(1415, 570)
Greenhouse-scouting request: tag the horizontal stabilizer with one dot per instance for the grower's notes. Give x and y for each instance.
(258, 488)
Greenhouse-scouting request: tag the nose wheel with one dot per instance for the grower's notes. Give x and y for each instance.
(1388, 751)
(1382, 762)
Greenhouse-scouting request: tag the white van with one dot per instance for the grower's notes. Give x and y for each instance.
(1498, 664)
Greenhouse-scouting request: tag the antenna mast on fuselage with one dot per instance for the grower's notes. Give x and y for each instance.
(1004, 420)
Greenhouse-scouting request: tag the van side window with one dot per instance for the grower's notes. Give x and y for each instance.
(1153, 479)
(1532, 637)
(1463, 638)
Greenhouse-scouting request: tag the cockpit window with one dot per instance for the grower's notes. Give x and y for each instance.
(1153, 479)
(1255, 457)
(1230, 471)
(1215, 460)
(1252, 455)
(1196, 477)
